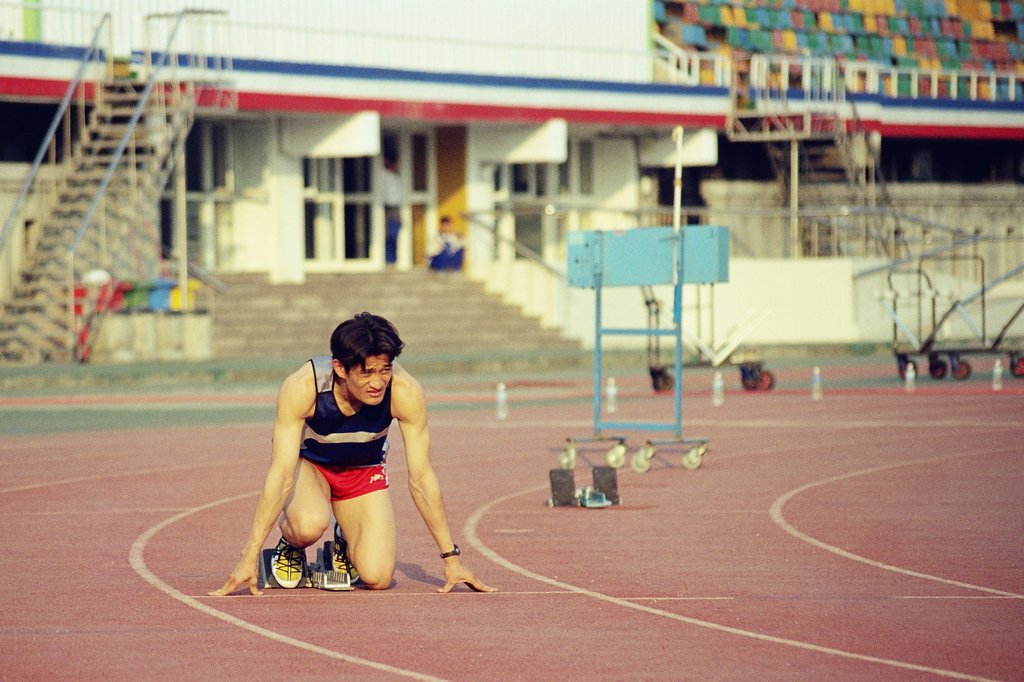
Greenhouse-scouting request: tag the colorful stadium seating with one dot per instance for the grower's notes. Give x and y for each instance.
(970, 35)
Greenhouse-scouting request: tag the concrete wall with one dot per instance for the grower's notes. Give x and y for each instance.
(609, 37)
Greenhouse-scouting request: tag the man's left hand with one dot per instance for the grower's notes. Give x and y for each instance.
(455, 573)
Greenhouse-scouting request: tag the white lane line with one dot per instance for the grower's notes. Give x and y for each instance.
(470, 533)
(122, 474)
(138, 563)
(776, 515)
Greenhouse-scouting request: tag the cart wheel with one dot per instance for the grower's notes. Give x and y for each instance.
(1017, 366)
(937, 368)
(766, 381)
(902, 368)
(750, 375)
(567, 460)
(692, 458)
(616, 456)
(962, 370)
(641, 461)
(662, 379)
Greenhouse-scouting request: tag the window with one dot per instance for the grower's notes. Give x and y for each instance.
(419, 163)
(586, 166)
(522, 178)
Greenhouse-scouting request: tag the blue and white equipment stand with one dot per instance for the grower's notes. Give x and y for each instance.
(695, 254)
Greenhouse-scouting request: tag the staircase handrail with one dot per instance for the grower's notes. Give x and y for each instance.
(199, 62)
(108, 174)
(26, 187)
(956, 243)
(133, 122)
(526, 252)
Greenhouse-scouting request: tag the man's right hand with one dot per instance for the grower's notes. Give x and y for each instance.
(245, 573)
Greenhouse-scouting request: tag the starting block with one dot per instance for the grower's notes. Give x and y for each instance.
(604, 492)
(320, 574)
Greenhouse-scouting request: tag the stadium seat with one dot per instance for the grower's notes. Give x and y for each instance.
(818, 42)
(737, 37)
(899, 26)
(695, 35)
(710, 15)
(660, 15)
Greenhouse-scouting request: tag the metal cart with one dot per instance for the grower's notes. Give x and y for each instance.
(947, 358)
(753, 375)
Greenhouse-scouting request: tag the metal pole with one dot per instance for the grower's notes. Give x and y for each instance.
(794, 198)
(181, 228)
(598, 339)
(677, 294)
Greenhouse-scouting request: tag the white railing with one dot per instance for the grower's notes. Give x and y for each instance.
(822, 79)
(687, 67)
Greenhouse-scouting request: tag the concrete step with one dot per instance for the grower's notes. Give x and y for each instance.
(436, 315)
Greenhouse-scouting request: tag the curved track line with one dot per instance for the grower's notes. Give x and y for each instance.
(118, 474)
(139, 564)
(776, 514)
(469, 531)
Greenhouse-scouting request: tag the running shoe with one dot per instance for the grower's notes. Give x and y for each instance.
(289, 564)
(342, 564)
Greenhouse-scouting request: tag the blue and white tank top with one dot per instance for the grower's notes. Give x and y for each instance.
(334, 439)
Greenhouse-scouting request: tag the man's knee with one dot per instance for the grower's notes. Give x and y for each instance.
(376, 581)
(304, 531)
(375, 575)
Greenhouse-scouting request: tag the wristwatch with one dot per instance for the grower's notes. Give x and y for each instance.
(454, 552)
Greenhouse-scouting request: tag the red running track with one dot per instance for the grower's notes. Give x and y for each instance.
(871, 535)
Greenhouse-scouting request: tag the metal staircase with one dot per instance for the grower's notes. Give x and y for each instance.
(91, 220)
(817, 145)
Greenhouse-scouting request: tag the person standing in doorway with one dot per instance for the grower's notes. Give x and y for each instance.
(391, 189)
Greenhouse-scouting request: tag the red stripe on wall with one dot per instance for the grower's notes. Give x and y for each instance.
(440, 111)
(35, 87)
(957, 132)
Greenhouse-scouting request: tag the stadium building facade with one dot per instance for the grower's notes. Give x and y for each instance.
(526, 121)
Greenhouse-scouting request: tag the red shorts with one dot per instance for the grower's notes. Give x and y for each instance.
(348, 483)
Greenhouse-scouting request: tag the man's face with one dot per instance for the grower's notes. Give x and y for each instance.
(366, 384)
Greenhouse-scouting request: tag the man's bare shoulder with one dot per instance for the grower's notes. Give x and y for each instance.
(298, 391)
(404, 379)
(407, 399)
(301, 378)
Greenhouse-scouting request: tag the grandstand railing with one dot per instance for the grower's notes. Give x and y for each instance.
(824, 80)
(879, 233)
(686, 67)
(663, 60)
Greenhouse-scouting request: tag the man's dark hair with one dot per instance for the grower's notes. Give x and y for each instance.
(364, 335)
